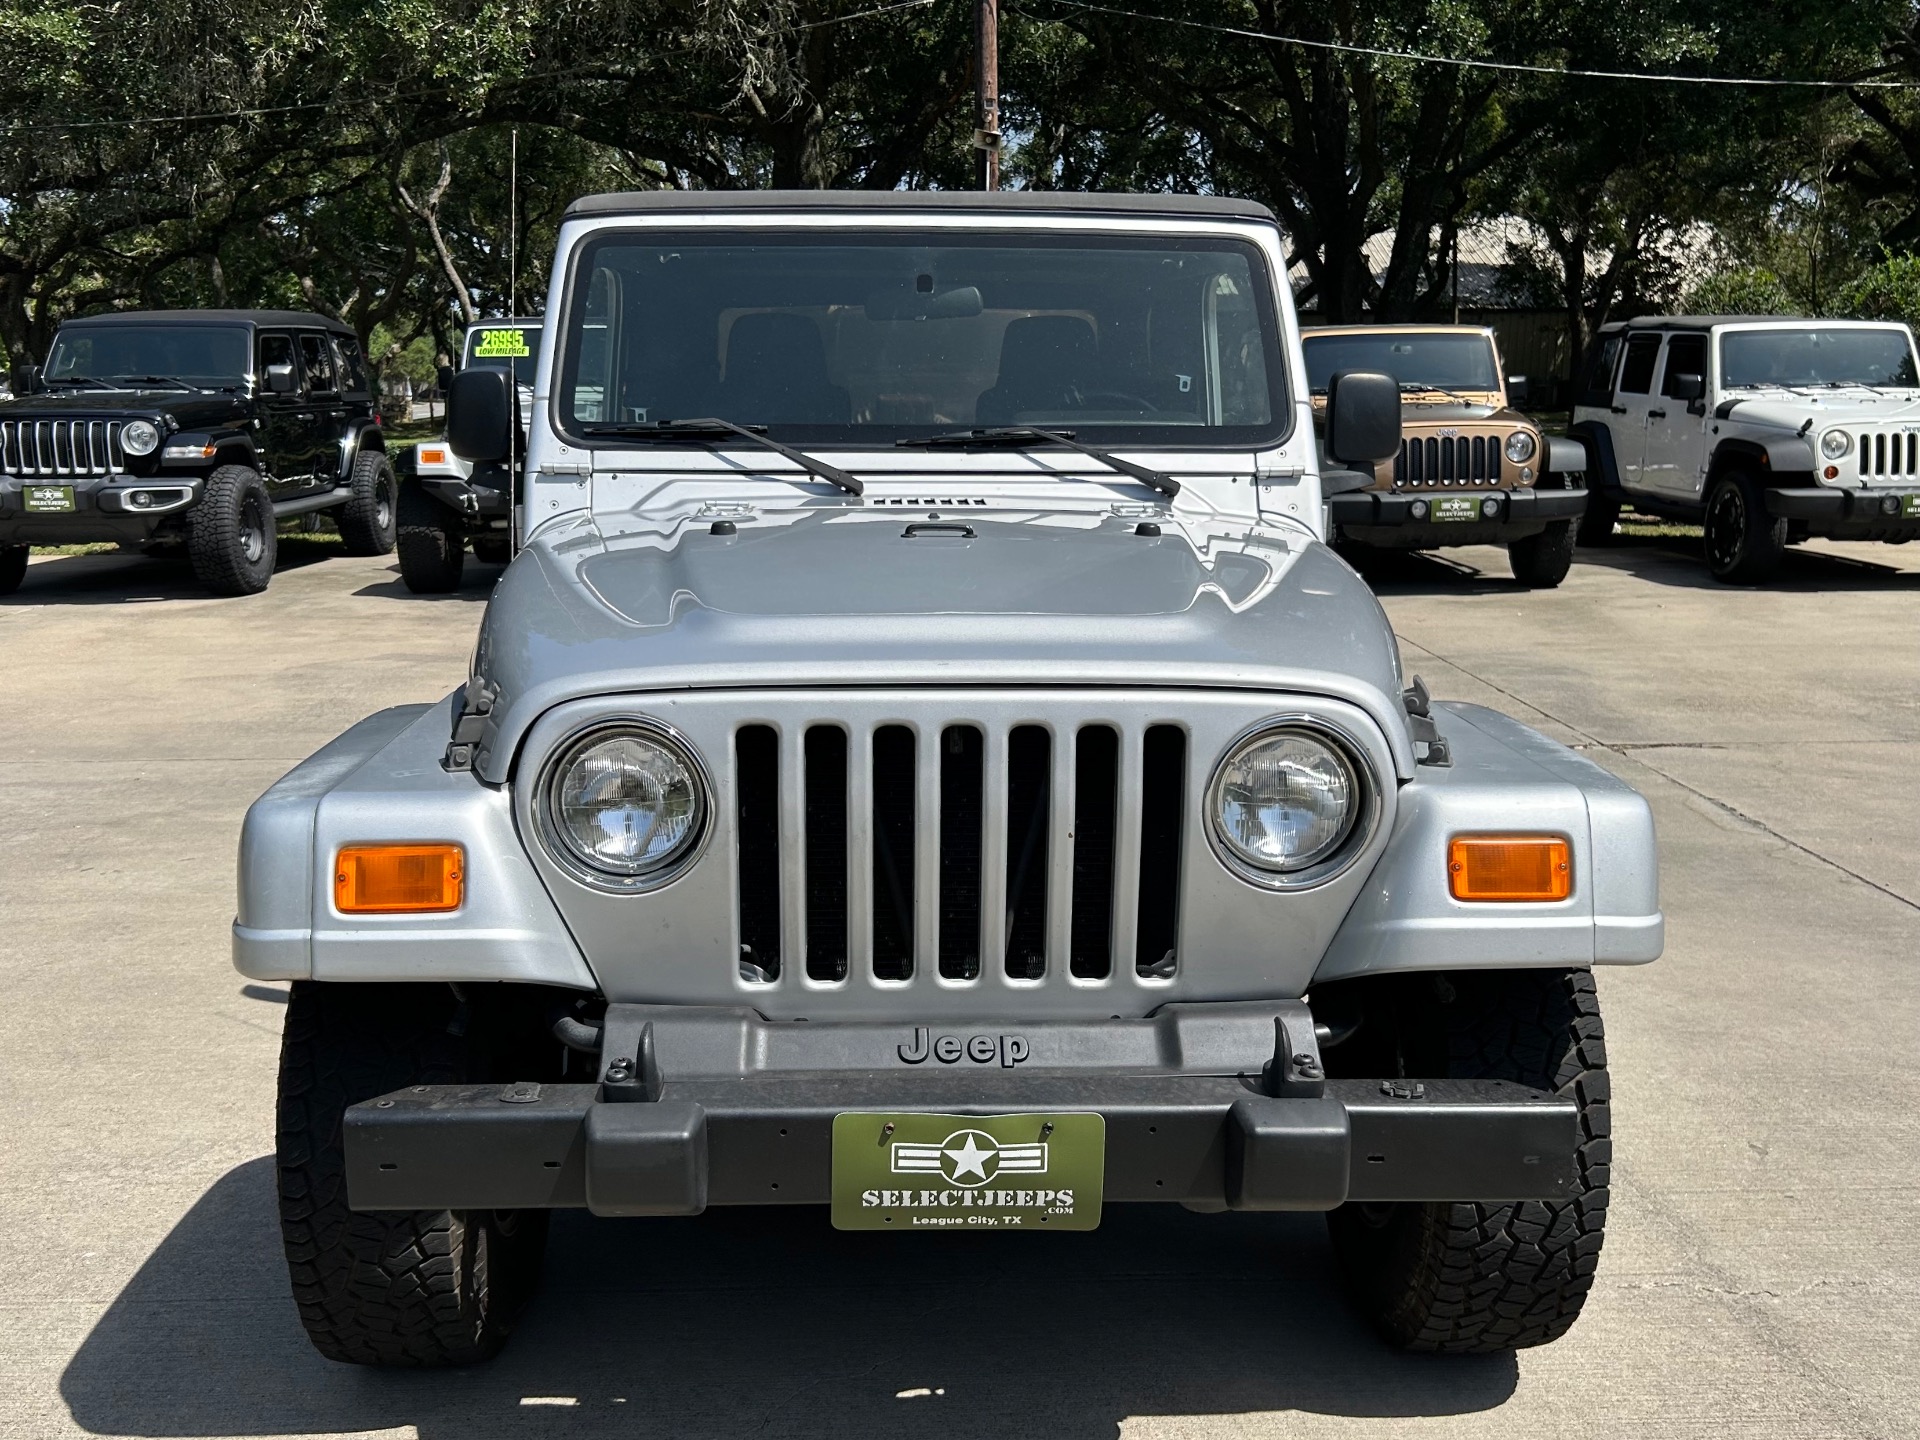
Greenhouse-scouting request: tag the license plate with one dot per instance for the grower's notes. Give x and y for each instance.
(968, 1172)
(1456, 507)
(1910, 507)
(47, 499)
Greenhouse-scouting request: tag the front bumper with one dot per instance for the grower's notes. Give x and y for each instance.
(1876, 513)
(763, 1135)
(105, 507)
(1402, 519)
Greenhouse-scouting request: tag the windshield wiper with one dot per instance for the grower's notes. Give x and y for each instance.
(76, 380)
(713, 428)
(155, 380)
(1032, 435)
(1414, 387)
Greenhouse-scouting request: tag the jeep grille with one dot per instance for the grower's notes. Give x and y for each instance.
(1882, 454)
(60, 447)
(1461, 460)
(1028, 849)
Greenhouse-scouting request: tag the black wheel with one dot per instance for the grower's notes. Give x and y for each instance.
(1601, 515)
(1541, 561)
(1473, 1279)
(493, 549)
(1744, 544)
(432, 550)
(367, 520)
(230, 533)
(417, 1288)
(13, 567)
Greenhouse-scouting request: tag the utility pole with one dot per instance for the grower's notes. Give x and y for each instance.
(513, 223)
(986, 93)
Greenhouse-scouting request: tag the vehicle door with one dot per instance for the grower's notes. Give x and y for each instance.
(1632, 398)
(285, 433)
(1671, 462)
(327, 404)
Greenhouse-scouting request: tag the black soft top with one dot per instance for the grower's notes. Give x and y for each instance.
(272, 319)
(1022, 202)
(1707, 322)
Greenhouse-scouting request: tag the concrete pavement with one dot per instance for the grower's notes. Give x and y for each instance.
(1764, 1250)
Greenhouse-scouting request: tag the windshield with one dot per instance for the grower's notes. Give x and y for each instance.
(1817, 357)
(827, 340)
(1438, 362)
(504, 347)
(210, 356)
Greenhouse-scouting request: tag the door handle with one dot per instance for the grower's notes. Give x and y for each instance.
(1656, 414)
(1618, 409)
(303, 415)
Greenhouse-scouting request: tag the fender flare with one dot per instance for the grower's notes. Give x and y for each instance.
(1603, 472)
(361, 435)
(1785, 461)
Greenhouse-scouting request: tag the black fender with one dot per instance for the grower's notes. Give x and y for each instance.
(1603, 472)
(230, 447)
(1566, 459)
(360, 436)
(1787, 461)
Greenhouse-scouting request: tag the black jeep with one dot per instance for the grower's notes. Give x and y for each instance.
(197, 427)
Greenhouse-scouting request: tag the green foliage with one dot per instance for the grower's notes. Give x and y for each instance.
(1748, 290)
(1889, 290)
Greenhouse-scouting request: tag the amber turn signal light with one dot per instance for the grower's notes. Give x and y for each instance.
(399, 879)
(433, 457)
(1509, 867)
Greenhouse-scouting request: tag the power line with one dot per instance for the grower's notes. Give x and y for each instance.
(1513, 67)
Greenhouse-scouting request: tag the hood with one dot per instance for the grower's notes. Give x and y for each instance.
(1415, 413)
(189, 410)
(1791, 409)
(846, 596)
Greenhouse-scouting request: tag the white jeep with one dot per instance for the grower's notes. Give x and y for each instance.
(1764, 431)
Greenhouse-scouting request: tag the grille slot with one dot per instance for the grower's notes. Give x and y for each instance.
(962, 832)
(1882, 454)
(1029, 771)
(893, 872)
(1163, 790)
(756, 760)
(826, 852)
(60, 447)
(1433, 460)
(1095, 799)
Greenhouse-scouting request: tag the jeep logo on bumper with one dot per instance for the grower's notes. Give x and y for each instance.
(1009, 1050)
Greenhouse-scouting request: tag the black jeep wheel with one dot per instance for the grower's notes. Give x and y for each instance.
(1472, 1279)
(367, 521)
(230, 534)
(1541, 561)
(1744, 544)
(415, 1288)
(432, 550)
(13, 567)
(1599, 518)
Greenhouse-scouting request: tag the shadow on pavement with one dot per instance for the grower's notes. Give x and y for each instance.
(1425, 572)
(123, 577)
(1676, 561)
(477, 579)
(742, 1321)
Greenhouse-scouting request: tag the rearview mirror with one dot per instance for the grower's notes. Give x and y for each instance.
(483, 415)
(1516, 389)
(443, 377)
(1363, 417)
(280, 379)
(905, 302)
(1689, 387)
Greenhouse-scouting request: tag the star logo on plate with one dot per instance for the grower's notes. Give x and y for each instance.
(969, 1158)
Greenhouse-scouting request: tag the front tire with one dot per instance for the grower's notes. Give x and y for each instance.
(1744, 544)
(415, 1288)
(1473, 1279)
(367, 521)
(13, 566)
(432, 549)
(1599, 518)
(231, 539)
(1541, 561)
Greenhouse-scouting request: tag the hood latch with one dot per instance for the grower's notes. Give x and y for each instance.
(1420, 721)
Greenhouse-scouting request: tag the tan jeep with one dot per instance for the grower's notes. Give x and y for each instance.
(1471, 470)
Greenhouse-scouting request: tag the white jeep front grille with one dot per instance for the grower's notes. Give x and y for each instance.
(1887, 456)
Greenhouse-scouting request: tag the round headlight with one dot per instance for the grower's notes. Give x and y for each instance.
(1284, 801)
(1520, 446)
(627, 803)
(139, 437)
(1835, 443)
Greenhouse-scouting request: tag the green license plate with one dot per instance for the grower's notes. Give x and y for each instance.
(47, 499)
(1910, 507)
(968, 1172)
(1456, 507)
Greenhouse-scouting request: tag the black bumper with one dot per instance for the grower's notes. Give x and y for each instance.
(1213, 1142)
(105, 507)
(1881, 513)
(1399, 518)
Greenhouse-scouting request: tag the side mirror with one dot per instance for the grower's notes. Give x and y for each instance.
(444, 378)
(1689, 387)
(1516, 389)
(280, 379)
(24, 379)
(1363, 417)
(483, 416)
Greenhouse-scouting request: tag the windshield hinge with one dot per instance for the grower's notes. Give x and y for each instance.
(1420, 721)
(469, 724)
(1282, 474)
(565, 467)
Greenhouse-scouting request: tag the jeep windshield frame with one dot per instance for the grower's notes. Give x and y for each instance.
(1818, 357)
(127, 356)
(1447, 362)
(858, 339)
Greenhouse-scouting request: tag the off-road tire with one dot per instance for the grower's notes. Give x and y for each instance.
(432, 549)
(231, 540)
(367, 522)
(13, 566)
(1473, 1279)
(1599, 518)
(1744, 545)
(415, 1288)
(1541, 561)
(492, 549)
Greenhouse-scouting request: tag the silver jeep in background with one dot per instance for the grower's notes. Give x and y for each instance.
(924, 761)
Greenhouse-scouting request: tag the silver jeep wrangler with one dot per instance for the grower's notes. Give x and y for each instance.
(923, 761)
